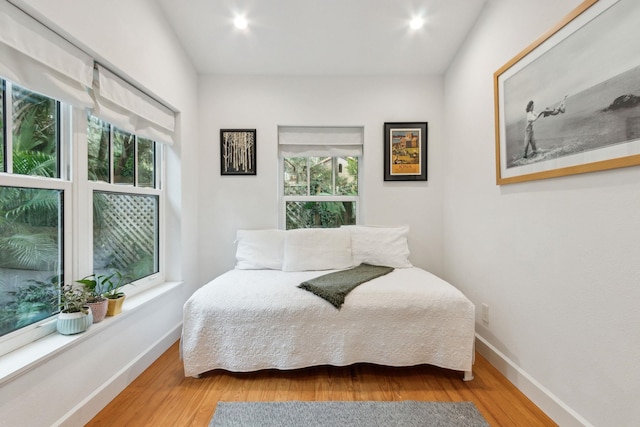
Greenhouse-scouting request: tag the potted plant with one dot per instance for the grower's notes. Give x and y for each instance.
(75, 316)
(96, 287)
(113, 291)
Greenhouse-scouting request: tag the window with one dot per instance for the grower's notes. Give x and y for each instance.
(32, 207)
(78, 193)
(320, 191)
(126, 200)
(319, 176)
(35, 143)
(36, 232)
(31, 126)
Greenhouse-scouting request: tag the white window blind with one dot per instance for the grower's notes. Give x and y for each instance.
(315, 141)
(125, 106)
(35, 57)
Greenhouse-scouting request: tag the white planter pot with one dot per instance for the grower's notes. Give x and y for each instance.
(73, 323)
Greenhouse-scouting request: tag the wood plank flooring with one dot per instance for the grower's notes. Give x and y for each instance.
(162, 396)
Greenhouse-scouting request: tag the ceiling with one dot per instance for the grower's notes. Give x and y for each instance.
(321, 37)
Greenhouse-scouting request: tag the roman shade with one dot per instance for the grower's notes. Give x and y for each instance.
(35, 57)
(123, 105)
(310, 141)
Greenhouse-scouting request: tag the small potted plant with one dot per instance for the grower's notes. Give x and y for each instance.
(113, 291)
(75, 316)
(96, 287)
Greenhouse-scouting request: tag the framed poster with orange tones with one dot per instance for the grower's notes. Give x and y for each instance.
(405, 151)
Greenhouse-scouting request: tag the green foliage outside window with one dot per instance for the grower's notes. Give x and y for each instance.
(101, 141)
(30, 254)
(98, 149)
(319, 214)
(123, 157)
(146, 163)
(125, 234)
(33, 301)
(30, 218)
(35, 134)
(320, 176)
(2, 167)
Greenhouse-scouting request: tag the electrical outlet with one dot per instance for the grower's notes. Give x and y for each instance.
(485, 314)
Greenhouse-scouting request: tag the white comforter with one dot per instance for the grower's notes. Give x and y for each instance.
(247, 320)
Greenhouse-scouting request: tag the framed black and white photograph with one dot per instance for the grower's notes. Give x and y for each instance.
(238, 152)
(570, 102)
(405, 151)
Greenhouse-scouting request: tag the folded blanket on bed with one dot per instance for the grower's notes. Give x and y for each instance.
(334, 287)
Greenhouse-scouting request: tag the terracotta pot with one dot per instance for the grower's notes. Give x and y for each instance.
(73, 323)
(115, 306)
(99, 309)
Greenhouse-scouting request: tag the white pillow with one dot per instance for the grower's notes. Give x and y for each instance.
(386, 246)
(308, 249)
(260, 249)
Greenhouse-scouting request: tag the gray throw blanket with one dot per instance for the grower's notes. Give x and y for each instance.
(334, 287)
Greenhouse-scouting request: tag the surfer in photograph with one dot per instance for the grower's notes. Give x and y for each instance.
(532, 116)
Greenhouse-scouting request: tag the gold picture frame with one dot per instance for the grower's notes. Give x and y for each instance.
(569, 103)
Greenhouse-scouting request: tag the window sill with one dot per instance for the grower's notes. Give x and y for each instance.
(33, 354)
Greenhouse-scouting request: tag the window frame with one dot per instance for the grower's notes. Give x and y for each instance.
(70, 74)
(77, 209)
(88, 187)
(283, 199)
(64, 183)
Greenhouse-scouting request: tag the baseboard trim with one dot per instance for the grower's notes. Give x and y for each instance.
(89, 407)
(85, 410)
(559, 412)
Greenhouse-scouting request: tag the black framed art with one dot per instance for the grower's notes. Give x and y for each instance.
(237, 151)
(405, 151)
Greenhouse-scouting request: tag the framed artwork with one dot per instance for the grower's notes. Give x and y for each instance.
(405, 151)
(570, 102)
(237, 151)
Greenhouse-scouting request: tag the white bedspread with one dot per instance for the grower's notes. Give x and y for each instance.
(247, 320)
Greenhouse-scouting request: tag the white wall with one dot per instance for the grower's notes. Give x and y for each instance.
(555, 260)
(228, 203)
(133, 39)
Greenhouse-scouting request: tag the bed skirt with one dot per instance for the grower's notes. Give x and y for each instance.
(248, 320)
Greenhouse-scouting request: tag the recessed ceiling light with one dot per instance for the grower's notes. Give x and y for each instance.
(240, 22)
(416, 23)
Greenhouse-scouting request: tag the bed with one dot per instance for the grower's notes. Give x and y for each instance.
(257, 317)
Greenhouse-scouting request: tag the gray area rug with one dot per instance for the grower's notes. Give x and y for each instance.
(352, 414)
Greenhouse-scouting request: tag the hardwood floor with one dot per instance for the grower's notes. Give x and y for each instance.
(162, 396)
